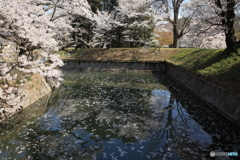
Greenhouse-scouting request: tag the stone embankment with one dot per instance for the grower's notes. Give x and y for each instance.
(32, 91)
(114, 66)
(224, 101)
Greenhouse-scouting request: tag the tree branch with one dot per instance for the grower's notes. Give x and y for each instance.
(204, 31)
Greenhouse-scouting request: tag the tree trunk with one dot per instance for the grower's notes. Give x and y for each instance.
(231, 40)
(231, 44)
(176, 36)
(228, 18)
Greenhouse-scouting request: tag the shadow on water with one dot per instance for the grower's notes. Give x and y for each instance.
(98, 115)
(224, 134)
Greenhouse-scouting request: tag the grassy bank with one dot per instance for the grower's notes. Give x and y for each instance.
(211, 63)
(120, 54)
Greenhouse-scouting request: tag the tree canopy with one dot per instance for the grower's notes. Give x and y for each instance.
(52, 24)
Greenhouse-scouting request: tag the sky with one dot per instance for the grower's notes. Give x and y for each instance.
(186, 1)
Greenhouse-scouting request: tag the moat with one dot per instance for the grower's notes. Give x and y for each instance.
(109, 115)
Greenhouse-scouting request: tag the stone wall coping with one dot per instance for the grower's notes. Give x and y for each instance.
(120, 61)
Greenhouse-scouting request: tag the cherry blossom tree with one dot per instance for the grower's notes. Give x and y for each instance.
(39, 23)
(35, 24)
(131, 24)
(172, 12)
(217, 17)
(104, 32)
(212, 38)
(139, 20)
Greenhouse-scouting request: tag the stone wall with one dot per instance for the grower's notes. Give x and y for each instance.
(225, 102)
(8, 51)
(33, 111)
(33, 90)
(116, 66)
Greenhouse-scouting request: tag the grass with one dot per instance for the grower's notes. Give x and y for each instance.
(196, 59)
(120, 54)
(212, 64)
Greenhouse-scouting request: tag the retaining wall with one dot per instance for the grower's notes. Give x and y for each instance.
(33, 90)
(225, 102)
(116, 66)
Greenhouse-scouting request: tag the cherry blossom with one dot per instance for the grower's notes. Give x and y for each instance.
(35, 24)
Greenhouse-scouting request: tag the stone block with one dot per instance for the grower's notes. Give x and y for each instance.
(237, 113)
(35, 89)
(219, 102)
(211, 94)
(233, 98)
(37, 55)
(217, 90)
(223, 93)
(204, 90)
(9, 53)
(230, 108)
(198, 86)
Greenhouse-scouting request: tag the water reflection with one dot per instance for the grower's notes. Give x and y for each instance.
(97, 115)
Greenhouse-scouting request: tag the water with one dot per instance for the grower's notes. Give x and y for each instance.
(98, 115)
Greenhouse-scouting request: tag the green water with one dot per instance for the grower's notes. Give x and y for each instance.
(103, 115)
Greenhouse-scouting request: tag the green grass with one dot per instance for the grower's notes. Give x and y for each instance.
(213, 64)
(197, 59)
(67, 55)
(119, 54)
